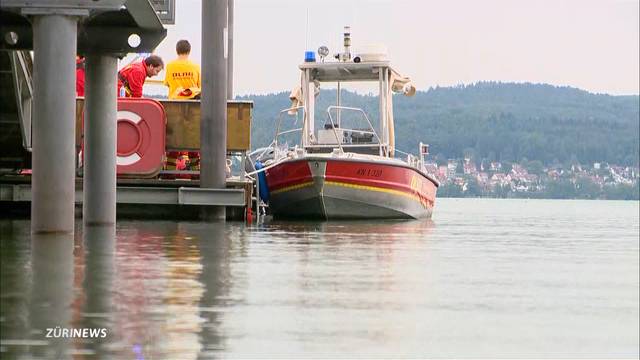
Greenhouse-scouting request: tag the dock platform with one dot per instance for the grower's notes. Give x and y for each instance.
(144, 198)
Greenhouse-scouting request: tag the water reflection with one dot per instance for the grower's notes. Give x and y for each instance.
(15, 278)
(51, 294)
(191, 290)
(167, 295)
(492, 280)
(145, 319)
(312, 288)
(214, 245)
(384, 230)
(182, 292)
(97, 310)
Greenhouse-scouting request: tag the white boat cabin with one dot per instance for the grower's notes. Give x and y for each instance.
(331, 134)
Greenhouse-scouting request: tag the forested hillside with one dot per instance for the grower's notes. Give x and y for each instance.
(495, 121)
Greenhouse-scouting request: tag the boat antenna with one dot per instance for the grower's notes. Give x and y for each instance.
(306, 35)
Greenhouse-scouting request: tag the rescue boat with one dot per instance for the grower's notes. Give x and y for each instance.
(346, 168)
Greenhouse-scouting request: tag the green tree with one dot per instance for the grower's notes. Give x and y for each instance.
(450, 190)
(622, 192)
(473, 188)
(502, 191)
(561, 189)
(499, 121)
(441, 159)
(535, 167)
(587, 189)
(506, 167)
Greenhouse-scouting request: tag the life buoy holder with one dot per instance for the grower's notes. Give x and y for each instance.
(132, 132)
(141, 132)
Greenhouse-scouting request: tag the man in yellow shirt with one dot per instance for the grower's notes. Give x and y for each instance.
(183, 79)
(182, 75)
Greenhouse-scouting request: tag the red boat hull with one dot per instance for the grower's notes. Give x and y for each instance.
(329, 188)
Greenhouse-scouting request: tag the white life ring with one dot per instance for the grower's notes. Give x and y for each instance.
(131, 155)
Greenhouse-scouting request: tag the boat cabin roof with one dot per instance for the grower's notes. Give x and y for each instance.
(345, 71)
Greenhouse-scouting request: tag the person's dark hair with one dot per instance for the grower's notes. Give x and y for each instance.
(183, 47)
(154, 60)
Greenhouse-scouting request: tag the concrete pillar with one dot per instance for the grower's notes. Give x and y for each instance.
(53, 134)
(230, 94)
(213, 123)
(100, 121)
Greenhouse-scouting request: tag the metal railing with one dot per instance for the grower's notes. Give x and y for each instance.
(412, 160)
(288, 111)
(21, 65)
(335, 132)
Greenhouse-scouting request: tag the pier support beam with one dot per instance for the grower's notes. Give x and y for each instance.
(53, 159)
(213, 124)
(230, 95)
(100, 122)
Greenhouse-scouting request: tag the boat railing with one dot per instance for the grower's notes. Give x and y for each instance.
(412, 160)
(290, 111)
(21, 66)
(336, 126)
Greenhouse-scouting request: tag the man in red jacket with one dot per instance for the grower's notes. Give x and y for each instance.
(132, 76)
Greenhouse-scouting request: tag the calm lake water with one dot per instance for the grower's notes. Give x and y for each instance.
(484, 278)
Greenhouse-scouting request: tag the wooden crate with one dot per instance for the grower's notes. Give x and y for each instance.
(183, 125)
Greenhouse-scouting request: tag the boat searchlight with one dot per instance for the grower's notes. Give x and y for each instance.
(323, 51)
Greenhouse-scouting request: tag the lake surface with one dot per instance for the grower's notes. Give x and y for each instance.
(485, 279)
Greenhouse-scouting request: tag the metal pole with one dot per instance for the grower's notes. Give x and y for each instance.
(382, 111)
(230, 94)
(213, 123)
(257, 198)
(339, 104)
(99, 204)
(53, 180)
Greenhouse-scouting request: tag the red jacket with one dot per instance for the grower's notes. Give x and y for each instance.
(80, 77)
(132, 78)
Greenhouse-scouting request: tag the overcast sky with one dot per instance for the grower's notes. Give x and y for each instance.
(589, 44)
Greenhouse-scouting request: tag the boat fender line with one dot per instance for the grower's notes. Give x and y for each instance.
(262, 183)
(265, 168)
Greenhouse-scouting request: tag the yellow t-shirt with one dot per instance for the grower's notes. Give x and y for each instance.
(181, 75)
